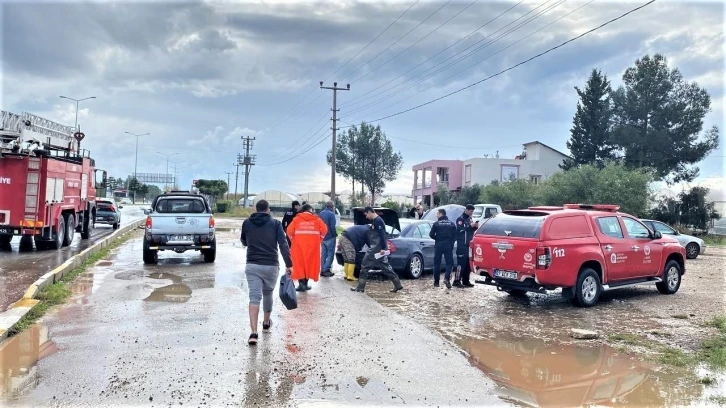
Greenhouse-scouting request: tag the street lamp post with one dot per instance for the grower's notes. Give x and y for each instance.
(166, 185)
(176, 183)
(77, 101)
(136, 157)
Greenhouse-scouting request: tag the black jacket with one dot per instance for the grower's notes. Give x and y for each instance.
(357, 235)
(443, 232)
(464, 231)
(263, 235)
(287, 218)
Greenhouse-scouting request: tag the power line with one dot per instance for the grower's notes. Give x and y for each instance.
(417, 42)
(302, 153)
(397, 41)
(318, 132)
(516, 65)
(371, 42)
(433, 56)
(506, 33)
(484, 59)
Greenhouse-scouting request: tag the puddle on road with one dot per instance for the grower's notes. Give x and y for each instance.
(176, 293)
(19, 356)
(523, 345)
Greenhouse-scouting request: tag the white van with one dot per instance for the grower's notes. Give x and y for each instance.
(485, 211)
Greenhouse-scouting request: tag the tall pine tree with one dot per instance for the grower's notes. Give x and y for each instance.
(590, 134)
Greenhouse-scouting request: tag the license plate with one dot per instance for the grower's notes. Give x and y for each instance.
(505, 274)
(180, 238)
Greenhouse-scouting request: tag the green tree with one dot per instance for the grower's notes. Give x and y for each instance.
(694, 208)
(469, 195)
(613, 184)
(365, 155)
(590, 141)
(666, 210)
(212, 188)
(443, 196)
(657, 119)
(512, 195)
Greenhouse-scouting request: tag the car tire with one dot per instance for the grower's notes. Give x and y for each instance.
(210, 254)
(150, 256)
(115, 226)
(70, 229)
(587, 289)
(671, 278)
(692, 250)
(59, 235)
(415, 266)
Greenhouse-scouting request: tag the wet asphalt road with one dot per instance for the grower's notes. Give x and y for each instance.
(19, 269)
(175, 334)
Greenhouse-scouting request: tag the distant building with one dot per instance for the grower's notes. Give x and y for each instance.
(536, 163)
(278, 200)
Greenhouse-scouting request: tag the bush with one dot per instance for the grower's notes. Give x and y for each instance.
(223, 206)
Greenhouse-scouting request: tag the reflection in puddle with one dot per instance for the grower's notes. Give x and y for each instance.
(176, 292)
(18, 358)
(533, 373)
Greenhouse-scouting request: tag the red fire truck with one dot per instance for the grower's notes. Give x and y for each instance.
(47, 184)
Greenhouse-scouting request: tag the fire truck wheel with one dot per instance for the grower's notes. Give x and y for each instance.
(59, 235)
(5, 240)
(70, 229)
(88, 224)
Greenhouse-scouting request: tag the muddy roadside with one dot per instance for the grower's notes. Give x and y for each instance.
(526, 345)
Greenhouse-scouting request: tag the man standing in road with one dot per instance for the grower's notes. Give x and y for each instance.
(306, 231)
(289, 216)
(263, 236)
(443, 232)
(328, 247)
(464, 233)
(417, 212)
(351, 242)
(376, 257)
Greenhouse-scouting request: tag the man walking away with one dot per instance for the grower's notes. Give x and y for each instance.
(306, 232)
(263, 236)
(376, 257)
(328, 217)
(351, 242)
(443, 232)
(464, 233)
(289, 216)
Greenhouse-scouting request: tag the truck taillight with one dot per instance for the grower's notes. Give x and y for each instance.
(391, 247)
(148, 222)
(113, 208)
(211, 222)
(544, 258)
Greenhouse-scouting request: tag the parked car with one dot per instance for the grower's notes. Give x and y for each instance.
(694, 246)
(412, 251)
(485, 211)
(108, 213)
(453, 211)
(583, 249)
(179, 221)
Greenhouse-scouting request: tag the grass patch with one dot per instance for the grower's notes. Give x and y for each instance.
(714, 240)
(713, 351)
(707, 380)
(235, 212)
(719, 400)
(58, 292)
(627, 338)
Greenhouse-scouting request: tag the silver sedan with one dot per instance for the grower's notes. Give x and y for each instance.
(694, 246)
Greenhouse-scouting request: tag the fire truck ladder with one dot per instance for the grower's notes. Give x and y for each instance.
(32, 192)
(30, 126)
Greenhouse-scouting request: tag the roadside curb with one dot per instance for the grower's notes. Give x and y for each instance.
(19, 309)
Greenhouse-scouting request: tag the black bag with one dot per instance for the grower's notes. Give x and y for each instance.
(288, 295)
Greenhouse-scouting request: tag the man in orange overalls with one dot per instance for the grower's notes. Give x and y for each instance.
(306, 231)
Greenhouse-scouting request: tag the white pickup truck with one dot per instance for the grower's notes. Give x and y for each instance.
(179, 221)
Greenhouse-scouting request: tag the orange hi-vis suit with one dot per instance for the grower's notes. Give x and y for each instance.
(306, 231)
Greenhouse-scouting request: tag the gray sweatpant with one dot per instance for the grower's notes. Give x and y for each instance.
(261, 280)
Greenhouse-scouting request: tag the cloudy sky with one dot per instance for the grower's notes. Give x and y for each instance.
(198, 76)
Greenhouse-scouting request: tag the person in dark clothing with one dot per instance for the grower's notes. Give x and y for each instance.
(464, 233)
(263, 236)
(416, 212)
(288, 217)
(377, 255)
(351, 242)
(443, 232)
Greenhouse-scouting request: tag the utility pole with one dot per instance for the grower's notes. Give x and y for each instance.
(136, 156)
(228, 173)
(335, 109)
(248, 161)
(236, 177)
(166, 184)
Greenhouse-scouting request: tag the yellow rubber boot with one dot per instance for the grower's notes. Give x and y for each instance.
(350, 272)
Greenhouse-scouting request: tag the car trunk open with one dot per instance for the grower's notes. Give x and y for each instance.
(390, 217)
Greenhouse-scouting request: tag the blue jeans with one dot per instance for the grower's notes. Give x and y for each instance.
(328, 249)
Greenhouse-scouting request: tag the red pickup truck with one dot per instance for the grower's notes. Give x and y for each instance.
(583, 249)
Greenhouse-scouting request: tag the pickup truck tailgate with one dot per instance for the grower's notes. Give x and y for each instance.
(507, 244)
(180, 224)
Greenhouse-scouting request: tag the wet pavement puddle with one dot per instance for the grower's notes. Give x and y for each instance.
(19, 356)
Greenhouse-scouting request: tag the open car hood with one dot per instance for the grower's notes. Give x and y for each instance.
(390, 217)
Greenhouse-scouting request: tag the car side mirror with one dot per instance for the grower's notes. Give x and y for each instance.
(120, 207)
(146, 211)
(657, 235)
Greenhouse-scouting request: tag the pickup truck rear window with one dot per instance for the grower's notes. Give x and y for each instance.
(180, 205)
(504, 225)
